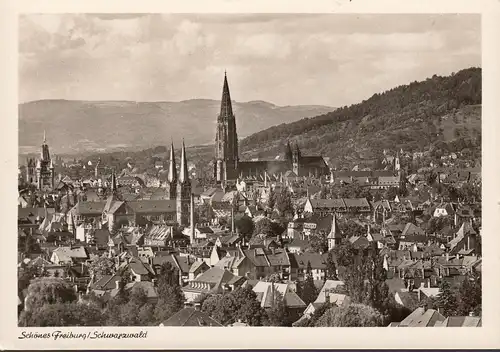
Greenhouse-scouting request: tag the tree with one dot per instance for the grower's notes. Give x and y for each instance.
(48, 291)
(101, 266)
(238, 305)
(249, 311)
(278, 313)
(170, 295)
(63, 314)
(275, 277)
(306, 289)
(446, 301)
(345, 254)
(469, 296)
(284, 204)
(318, 313)
(272, 199)
(352, 315)
(319, 242)
(350, 228)
(245, 225)
(331, 268)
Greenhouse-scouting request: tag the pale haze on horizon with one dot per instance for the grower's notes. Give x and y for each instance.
(286, 59)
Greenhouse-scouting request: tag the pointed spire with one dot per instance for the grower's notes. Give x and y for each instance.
(334, 231)
(44, 138)
(184, 176)
(226, 108)
(113, 183)
(172, 169)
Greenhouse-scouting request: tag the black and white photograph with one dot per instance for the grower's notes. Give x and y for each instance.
(242, 170)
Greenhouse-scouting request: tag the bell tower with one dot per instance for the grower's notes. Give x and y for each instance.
(183, 191)
(226, 139)
(171, 192)
(296, 160)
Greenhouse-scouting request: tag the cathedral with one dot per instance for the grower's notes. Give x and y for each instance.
(227, 165)
(41, 172)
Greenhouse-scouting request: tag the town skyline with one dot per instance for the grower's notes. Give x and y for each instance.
(145, 53)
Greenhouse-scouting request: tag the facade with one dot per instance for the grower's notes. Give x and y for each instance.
(227, 165)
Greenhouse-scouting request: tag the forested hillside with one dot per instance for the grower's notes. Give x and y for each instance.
(444, 110)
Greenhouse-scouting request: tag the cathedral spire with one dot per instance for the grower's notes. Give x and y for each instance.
(226, 108)
(44, 138)
(172, 170)
(184, 176)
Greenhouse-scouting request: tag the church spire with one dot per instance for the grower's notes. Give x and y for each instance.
(226, 108)
(45, 155)
(113, 183)
(184, 176)
(172, 170)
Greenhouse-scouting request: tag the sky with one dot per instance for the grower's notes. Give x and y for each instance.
(285, 59)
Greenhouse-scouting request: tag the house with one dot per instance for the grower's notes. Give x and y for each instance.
(359, 242)
(181, 263)
(299, 244)
(196, 269)
(341, 205)
(190, 317)
(69, 255)
(214, 280)
(444, 209)
(299, 262)
(139, 270)
(147, 287)
(421, 317)
(464, 242)
(200, 233)
(331, 291)
(105, 285)
(265, 262)
(237, 263)
(158, 235)
(460, 322)
(266, 295)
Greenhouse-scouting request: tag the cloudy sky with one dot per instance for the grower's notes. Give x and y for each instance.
(285, 59)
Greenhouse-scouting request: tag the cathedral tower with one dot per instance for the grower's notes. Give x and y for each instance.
(226, 139)
(183, 191)
(45, 175)
(172, 175)
(296, 160)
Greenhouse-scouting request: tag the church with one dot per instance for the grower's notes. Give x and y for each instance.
(41, 172)
(228, 167)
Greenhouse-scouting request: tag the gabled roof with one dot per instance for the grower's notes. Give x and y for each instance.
(412, 229)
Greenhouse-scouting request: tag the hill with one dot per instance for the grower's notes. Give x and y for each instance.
(442, 111)
(96, 126)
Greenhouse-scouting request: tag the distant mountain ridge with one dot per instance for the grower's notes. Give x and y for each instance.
(443, 111)
(75, 126)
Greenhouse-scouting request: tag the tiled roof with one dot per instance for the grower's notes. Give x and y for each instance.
(89, 208)
(107, 282)
(318, 261)
(190, 317)
(412, 229)
(463, 321)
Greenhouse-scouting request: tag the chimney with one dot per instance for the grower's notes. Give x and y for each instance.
(191, 236)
